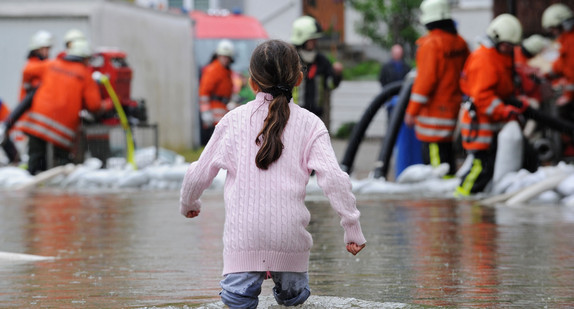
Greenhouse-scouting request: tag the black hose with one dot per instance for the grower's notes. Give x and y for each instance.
(382, 165)
(19, 110)
(6, 144)
(360, 128)
(551, 122)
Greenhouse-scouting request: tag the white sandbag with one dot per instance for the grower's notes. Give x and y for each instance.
(383, 186)
(566, 187)
(103, 178)
(133, 179)
(535, 189)
(568, 201)
(507, 180)
(46, 176)
(12, 176)
(526, 179)
(509, 151)
(547, 197)
(175, 173)
(421, 172)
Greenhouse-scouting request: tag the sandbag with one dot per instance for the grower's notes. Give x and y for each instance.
(509, 151)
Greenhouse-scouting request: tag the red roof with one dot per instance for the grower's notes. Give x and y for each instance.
(227, 26)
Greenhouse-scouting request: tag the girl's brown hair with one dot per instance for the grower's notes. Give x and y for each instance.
(275, 68)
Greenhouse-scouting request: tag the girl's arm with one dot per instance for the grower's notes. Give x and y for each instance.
(201, 173)
(336, 185)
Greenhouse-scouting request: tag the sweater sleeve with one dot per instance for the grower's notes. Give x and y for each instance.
(336, 185)
(201, 173)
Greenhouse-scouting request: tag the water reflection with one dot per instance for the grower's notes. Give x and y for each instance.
(133, 249)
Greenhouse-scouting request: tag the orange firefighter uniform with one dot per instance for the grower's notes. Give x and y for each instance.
(67, 88)
(564, 64)
(217, 86)
(487, 79)
(436, 96)
(4, 111)
(563, 67)
(30, 78)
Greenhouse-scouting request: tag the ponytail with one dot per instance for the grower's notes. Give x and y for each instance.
(269, 138)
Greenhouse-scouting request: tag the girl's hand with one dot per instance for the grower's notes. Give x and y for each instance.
(353, 248)
(192, 214)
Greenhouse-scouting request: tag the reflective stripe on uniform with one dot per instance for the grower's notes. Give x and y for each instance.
(419, 98)
(483, 126)
(569, 87)
(493, 105)
(434, 121)
(432, 132)
(434, 154)
(470, 179)
(50, 123)
(45, 131)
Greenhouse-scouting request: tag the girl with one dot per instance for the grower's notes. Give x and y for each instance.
(269, 147)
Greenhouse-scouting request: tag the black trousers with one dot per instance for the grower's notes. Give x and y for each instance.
(480, 173)
(437, 153)
(38, 155)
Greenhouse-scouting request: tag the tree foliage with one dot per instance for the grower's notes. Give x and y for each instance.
(388, 22)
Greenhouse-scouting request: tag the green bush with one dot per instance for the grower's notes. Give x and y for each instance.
(366, 70)
(345, 130)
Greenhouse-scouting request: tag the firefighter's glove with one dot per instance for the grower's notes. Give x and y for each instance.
(207, 119)
(521, 103)
(511, 112)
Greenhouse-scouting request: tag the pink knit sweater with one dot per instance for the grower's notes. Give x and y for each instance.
(266, 216)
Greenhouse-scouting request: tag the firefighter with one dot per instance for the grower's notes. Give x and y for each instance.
(53, 119)
(559, 20)
(39, 51)
(487, 79)
(215, 88)
(320, 76)
(70, 36)
(435, 97)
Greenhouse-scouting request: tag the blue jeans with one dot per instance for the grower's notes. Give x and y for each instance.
(241, 290)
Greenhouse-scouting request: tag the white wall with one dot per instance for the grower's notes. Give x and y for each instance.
(472, 23)
(276, 16)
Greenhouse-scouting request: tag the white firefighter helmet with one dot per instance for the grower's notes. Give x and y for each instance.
(434, 10)
(73, 34)
(535, 43)
(41, 39)
(80, 48)
(555, 15)
(505, 28)
(305, 28)
(225, 48)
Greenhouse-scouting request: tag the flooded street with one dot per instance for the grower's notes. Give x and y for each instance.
(134, 249)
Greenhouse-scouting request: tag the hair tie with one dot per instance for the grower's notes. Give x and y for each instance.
(278, 90)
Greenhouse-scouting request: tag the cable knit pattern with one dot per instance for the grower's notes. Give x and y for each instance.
(266, 217)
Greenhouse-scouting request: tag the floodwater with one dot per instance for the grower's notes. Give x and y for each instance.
(134, 249)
